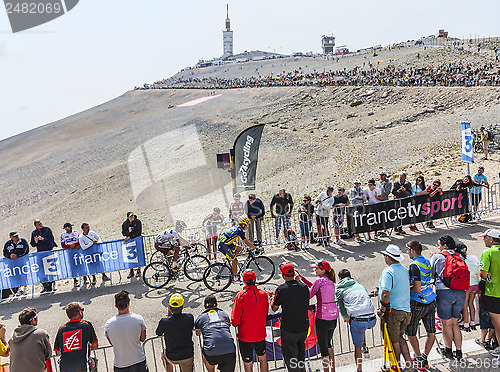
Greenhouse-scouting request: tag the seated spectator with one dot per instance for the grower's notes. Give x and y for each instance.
(340, 201)
(306, 211)
(87, 239)
(13, 248)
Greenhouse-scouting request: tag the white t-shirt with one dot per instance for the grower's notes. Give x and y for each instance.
(167, 236)
(473, 266)
(86, 241)
(69, 238)
(124, 332)
(371, 194)
(323, 209)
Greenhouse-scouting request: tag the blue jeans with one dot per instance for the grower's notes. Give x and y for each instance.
(305, 228)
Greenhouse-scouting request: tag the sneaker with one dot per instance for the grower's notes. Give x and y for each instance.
(176, 267)
(85, 280)
(358, 240)
(105, 278)
(467, 328)
(319, 244)
(277, 241)
(130, 274)
(425, 361)
(20, 292)
(94, 281)
(496, 352)
(382, 234)
(237, 281)
(458, 354)
(473, 326)
(445, 354)
(418, 363)
(75, 282)
(375, 238)
(138, 273)
(402, 232)
(365, 351)
(341, 242)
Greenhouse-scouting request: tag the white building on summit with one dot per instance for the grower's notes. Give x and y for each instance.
(227, 37)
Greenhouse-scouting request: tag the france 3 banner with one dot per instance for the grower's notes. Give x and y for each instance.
(273, 337)
(467, 143)
(405, 211)
(246, 155)
(40, 267)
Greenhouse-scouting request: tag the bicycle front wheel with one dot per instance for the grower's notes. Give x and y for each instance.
(156, 275)
(199, 248)
(263, 268)
(217, 277)
(195, 266)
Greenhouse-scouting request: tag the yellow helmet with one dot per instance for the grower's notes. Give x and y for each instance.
(244, 220)
(176, 300)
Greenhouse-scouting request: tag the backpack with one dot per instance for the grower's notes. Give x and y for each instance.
(489, 136)
(464, 218)
(291, 238)
(456, 275)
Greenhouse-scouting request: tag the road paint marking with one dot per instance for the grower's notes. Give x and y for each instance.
(199, 100)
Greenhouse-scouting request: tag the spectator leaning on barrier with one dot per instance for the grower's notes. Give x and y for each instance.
(236, 209)
(402, 189)
(373, 196)
(432, 191)
(131, 229)
(75, 340)
(358, 197)
(293, 297)
(324, 203)
(357, 309)
(418, 189)
(218, 345)
(340, 201)
(29, 345)
(422, 303)
(384, 185)
(394, 300)
(13, 248)
(255, 210)
(284, 205)
(490, 271)
(43, 239)
(126, 332)
(476, 192)
(69, 240)
(306, 211)
(251, 324)
(177, 331)
(87, 239)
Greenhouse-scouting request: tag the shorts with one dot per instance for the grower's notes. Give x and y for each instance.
(486, 144)
(211, 231)
(305, 228)
(324, 334)
(424, 312)
(247, 348)
(491, 304)
(473, 288)
(396, 324)
(485, 319)
(185, 365)
(323, 221)
(338, 220)
(358, 327)
(450, 303)
(225, 362)
(284, 218)
(476, 199)
(138, 367)
(227, 250)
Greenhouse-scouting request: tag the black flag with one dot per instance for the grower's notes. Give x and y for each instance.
(246, 154)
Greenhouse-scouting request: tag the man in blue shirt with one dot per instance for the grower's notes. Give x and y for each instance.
(394, 299)
(481, 179)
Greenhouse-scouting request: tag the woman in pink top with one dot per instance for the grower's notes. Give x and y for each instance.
(326, 310)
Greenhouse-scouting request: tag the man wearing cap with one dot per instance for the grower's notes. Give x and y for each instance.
(69, 240)
(358, 197)
(283, 203)
(293, 297)
(384, 185)
(490, 271)
(324, 202)
(394, 298)
(251, 324)
(43, 239)
(218, 345)
(131, 229)
(177, 331)
(13, 248)
(402, 189)
(255, 210)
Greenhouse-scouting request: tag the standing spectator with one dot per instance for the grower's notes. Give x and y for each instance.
(476, 192)
(177, 331)
(254, 208)
(450, 302)
(218, 345)
(358, 197)
(87, 239)
(422, 303)
(394, 300)
(324, 203)
(43, 239)
(131, 229)
(485, 139)
(340, 201)
(487, 339)
(284, 206)
(490, 271)
(418, 189)
(326, 310)
(373, 196)
(210, 223)
(306, 211)
(464, 183)
(236, 209)
(402, 189)
(4, 346)
(293, 297)
(384, 185)
(75, 340)
(433, 190)
(126, 332)
(469, 311)
(13, 248)
(29, 345)
(69, 240)
(251, 324)
(357, 308)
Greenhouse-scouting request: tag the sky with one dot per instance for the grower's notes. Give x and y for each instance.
(102, 48)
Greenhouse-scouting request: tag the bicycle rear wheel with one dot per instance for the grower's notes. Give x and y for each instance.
(195, 266)
(217, 277)
(157, 256)
(263, 268)
(199, 248)
(156, 275)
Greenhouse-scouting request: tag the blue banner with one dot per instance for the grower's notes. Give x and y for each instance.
(47, 266)
(467, 148)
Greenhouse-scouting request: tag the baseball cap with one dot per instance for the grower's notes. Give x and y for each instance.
(249, 277)
(492, 233)
(67, 224)
(210, 300)
(322, 264)
(357, 180)
(394, 252)
(13, 233)
(176, 300)
(287, 268)
(372, 181)
(329, 188)
(383, 172)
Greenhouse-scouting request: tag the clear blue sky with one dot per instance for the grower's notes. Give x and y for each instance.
(103, 48)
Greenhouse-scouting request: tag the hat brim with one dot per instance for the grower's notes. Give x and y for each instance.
(399, 259)
(483, 235)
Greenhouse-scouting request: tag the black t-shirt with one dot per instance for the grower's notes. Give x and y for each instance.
(177, 330)
(344, 199)
(414, 273)
(293, 297)
(73, 340)
(307, 214)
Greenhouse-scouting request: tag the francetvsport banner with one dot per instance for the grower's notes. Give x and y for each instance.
(405, 211)
(39, 267)
(246, 154)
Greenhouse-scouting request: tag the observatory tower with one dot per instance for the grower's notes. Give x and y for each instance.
(227, 37)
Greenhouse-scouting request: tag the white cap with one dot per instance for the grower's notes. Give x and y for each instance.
(394, 252)
(491, 232)
(357, 180)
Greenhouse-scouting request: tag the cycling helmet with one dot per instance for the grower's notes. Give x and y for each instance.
(181, 224)
(243, 220)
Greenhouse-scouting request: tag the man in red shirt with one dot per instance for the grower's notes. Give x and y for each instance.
(251, 324)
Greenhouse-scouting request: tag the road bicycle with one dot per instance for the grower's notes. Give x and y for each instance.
(219, 275)
(157, 274)
(195, 247)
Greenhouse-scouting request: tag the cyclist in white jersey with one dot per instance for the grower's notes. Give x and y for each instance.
(170, 239)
